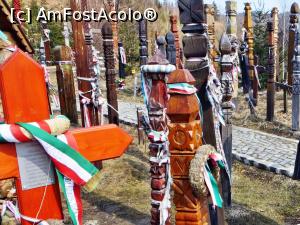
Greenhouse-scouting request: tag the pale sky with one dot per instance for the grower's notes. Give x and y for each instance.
(269, 4)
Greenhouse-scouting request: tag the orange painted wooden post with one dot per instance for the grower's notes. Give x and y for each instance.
(185, 138)
(24, 99)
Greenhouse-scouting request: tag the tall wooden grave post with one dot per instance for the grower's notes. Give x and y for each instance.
(161, 44)
(143, 61)
(156, 72)
(231, 30)
(294, 19)
(112, 6)
(143, 42)
(110, 73)
(210, 21)
(175, 31)
(271, 72)
(185, 138)
(195, 49)
(171, 49)
(26, 101)
(82, 66)
(66, 34)
(250, 41)
(296, 84)
(46, 40)
(227, 91)
(91, 77)
(275, 19)
(65, 82)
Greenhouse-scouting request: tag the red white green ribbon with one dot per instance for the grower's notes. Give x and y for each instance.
(181, 88)
(211, 183)
(73, 170)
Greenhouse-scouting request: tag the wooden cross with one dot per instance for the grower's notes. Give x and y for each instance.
(24, 99)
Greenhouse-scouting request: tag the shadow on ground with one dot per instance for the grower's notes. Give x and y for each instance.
(240, 215)
(115, 212)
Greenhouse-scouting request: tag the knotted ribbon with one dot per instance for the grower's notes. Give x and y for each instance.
(73, 170)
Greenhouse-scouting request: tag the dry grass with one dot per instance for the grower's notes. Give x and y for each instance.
(281, 124)
(123, 197)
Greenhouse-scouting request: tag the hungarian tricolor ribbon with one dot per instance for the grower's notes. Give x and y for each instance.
(181, 88)
(73, 170)
(211, 183)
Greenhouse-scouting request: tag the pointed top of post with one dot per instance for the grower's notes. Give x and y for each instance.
(181, 76)
(295, 8)
(225, 45)
(158, 59)
(275, 10)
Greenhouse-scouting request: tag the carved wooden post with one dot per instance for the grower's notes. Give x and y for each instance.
(91, 77)
(156, 72)
(275, 19)
(65, 82)
(110, 73)
(111, 6)
(296, 84)
(195, 48)
(175, 31)
(227, 91)
(161, 44)
(249, 27)
(210, 21)
(143, 42)
(82, 67)
(46, 39)
(231, 11)
(294, 19)
(271, 72)
(195, 44)
(66, 34)
(185, 139)
(171, 49)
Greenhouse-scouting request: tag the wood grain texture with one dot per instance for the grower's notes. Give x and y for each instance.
(185, 138)
(65, 82)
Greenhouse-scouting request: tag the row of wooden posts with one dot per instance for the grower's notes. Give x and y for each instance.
(184, 129)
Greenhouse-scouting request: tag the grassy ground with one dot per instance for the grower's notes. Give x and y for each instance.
(123, 197)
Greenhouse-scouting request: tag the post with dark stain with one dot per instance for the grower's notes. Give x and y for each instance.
(110, 73)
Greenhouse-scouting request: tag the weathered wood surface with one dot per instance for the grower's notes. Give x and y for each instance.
(231, 12)
(175, 31)
(65, 82)
(143, 42)
(110, 73)
(250, 41)
(161, 44)
(210, 21)
(271, 72)
(185, 139)
(157, 103)
(294, 19)
(227, 91)
(82, 66)
(296, 84)
(88, 37)
(46, 40)
(195, 50)
(171, 49)
(275, 19)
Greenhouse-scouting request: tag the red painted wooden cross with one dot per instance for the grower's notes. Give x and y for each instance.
(24, 99)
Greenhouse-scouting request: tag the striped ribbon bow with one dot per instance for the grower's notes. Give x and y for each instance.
(73, 170)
